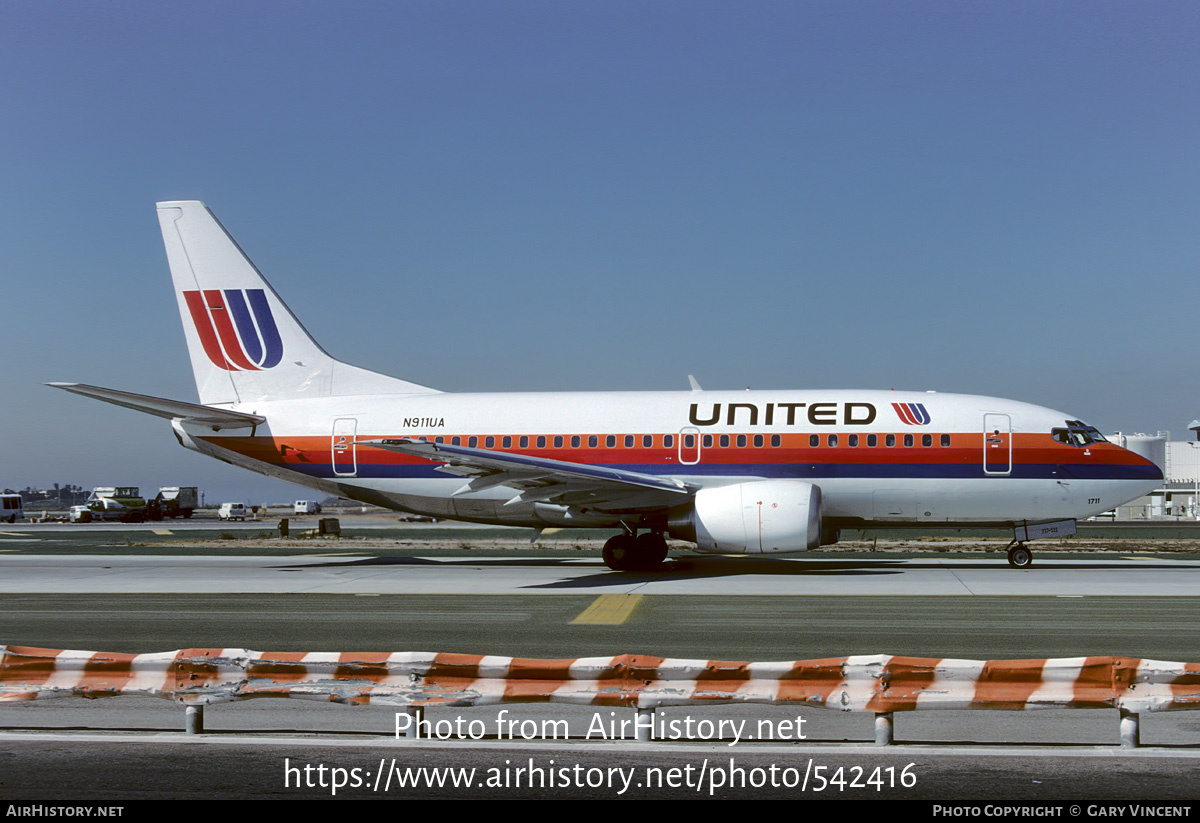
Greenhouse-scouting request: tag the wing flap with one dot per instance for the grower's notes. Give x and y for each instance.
(541, 480)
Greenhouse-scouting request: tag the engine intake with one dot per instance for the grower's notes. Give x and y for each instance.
(759, 517)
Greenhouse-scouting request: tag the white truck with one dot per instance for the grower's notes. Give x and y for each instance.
(232, 511)
(307, 507)
(11, 507)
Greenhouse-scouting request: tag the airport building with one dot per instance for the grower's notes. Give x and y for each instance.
(1178, 498)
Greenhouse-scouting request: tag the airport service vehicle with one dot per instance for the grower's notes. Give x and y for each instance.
(11, 507)
(306, 507)
(79, 514)
(232, 511)
(746, 472)
(173, 501)
(123, 503)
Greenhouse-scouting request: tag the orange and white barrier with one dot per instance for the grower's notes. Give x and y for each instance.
(881, 684)
(876, 683)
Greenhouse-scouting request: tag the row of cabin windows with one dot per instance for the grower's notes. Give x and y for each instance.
(872, 440)
(689, 441)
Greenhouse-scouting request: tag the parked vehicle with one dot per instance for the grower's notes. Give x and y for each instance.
(12, 509)
(174, 501)
(232, 511)
(80, 514)
(123, 503)
(307, 507)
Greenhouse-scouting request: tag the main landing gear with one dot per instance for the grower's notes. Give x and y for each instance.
(635, 553)
(1019, 555)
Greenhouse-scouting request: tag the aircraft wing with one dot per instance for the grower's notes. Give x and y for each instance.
(169, 409)
(539, 480)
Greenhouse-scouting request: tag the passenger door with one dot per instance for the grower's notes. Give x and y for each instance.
(344, 457)
(997, 445)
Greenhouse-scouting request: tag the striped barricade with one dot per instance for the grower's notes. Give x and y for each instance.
(880, 684)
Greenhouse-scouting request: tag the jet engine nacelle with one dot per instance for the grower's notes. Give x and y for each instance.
(762, 516)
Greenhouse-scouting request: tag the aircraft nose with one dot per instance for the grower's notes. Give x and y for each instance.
(1150, 471)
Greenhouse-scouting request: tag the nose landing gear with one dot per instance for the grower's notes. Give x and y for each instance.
(1019, 555)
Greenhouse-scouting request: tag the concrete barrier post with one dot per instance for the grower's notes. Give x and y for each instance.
(1131, 732)
(193, 722)
(417, 713)
(884, 729)
(645, 724)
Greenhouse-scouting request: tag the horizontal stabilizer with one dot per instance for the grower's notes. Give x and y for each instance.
(169, 409)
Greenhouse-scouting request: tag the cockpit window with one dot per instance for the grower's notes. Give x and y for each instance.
(1078, 434)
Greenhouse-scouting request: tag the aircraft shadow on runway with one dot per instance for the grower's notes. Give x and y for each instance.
(698, 567)
(683, 568)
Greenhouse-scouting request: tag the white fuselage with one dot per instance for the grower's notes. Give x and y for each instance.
(878, 457)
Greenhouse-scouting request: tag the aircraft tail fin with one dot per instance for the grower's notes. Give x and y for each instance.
(244, 341)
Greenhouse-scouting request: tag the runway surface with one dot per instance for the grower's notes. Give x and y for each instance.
(135, 590)
(357, 572)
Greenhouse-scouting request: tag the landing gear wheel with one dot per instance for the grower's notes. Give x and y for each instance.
(619, 552)
(651, 551)
(626, 553)
(1020, 557)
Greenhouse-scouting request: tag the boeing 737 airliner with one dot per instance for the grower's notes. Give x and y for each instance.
(747, 472)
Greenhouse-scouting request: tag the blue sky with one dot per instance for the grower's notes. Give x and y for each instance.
(994, 198)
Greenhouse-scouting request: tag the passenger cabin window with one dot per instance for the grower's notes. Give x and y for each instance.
(558, 441)
(724, 441)
(629, 441)
(832, 441)
(908, 441)
(439, 440)
(814, 440)
(490, 442)
(575, 441)
(852, 441)
(889, 440)
(927, 440)
(758, 441)
(455, 441)
(945, 441)
(593, 441)
(689, 441)
(872, 441)
(541, 441)
(610, 441)
(668, 441)
(506, 442)
(472, 441)
(647, 441)
(741, 441)
(524, 441)
(776, 440)
(707, 441)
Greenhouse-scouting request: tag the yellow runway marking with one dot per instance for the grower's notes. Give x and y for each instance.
(608, 610)
(161, 531)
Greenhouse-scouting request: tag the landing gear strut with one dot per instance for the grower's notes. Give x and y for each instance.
(629, 553)
(1019, 555)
